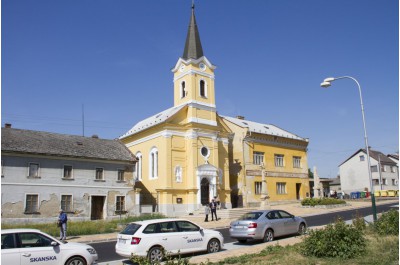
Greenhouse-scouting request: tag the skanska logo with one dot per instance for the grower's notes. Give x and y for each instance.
(194, 240)
(48, 258)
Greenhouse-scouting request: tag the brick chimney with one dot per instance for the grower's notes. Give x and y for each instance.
(240, 117)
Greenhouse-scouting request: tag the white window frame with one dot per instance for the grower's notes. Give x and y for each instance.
(26, 202)
(182, 89)
(139, 166)
(37, 172)
(279, 160)
(102, 173)
(296, 161)
(153, 163)
(362, 158)
(119, 170)
(178, 174)
(116, 203)
(72, 170)
(257, 187)
(383, 168)
(258, 158)
(384, 181)
(71, 204)
(205, 88)
(393, 169)
(281, 188)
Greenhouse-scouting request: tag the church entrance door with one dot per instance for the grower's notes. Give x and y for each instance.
(205, 191)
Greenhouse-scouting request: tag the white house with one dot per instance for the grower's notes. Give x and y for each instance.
(41, 172)
(354, 172)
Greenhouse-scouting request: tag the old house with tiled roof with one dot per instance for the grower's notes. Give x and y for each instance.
(89, 178)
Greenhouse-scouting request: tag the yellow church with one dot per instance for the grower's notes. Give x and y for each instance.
(189, 154)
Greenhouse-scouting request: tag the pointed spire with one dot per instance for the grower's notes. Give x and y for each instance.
(193, 47)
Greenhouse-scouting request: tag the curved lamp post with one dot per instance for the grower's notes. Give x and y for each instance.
(327, 83)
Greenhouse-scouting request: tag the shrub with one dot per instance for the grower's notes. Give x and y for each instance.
(321, 201)
(388, 223)
(337, 240)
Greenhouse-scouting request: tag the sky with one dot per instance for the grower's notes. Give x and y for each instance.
(108, 63)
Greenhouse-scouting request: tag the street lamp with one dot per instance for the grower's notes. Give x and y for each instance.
(327, 83)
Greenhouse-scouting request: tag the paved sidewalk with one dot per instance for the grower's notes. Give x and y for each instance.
(293, 208)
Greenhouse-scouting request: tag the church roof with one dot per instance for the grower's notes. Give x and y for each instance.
(193, 47)
(153, 120)
(263, 128)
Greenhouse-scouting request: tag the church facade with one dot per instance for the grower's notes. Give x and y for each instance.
(188, 154)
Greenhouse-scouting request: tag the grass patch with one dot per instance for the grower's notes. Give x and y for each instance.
(79, 228)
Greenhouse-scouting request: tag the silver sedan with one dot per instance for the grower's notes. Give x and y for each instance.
(266, 225)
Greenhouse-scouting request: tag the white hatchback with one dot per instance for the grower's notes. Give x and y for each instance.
(31, 246)
(153, 238)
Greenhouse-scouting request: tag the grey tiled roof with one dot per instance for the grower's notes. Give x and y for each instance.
(193, 48)
(63, 145)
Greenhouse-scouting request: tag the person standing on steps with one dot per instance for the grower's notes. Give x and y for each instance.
(63, 219)
(206, 212)
(213, 207)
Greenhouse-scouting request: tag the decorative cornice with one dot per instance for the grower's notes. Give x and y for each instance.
(275, 143)
(202, 121)
(192, 72)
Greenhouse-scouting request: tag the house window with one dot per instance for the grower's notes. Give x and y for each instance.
(375, 182)
(120, 204)
(280, 188)
(383, 168)
(203, 90)
(362, 158)
(257, 187)
(31, 204)
(393, 169)
(279, 161)
(66, 203)
(121, 175)
(374, 168)
(183, 91)
(33, 170)
(67, 172)
(384, 181)
(2, 168)
(138, 166)
(99, 174)
(297, 162)
(258, 158)
(394, 181)
(153, 163)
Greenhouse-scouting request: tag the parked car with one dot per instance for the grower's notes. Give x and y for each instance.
(266, 225)
(31, 246)
(154, 238)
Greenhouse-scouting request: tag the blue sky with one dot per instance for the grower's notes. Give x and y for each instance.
(115, 57)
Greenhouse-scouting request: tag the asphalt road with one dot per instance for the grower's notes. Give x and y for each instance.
(106, 250)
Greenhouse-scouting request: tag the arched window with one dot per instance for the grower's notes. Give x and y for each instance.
(183, 91)
(178, 173)
(153, 166)
(203, 89)
(138, 166)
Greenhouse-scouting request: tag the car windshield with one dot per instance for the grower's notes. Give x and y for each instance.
(130, 229)
(251, 216)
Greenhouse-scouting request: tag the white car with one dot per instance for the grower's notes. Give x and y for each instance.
(153, 238)
(31, 246)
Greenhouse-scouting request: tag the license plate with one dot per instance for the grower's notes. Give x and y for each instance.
(121, 240)
(239, 226)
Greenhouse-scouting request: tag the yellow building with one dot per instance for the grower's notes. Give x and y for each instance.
(188, 154)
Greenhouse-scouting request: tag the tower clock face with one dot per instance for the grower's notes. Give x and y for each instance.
(202, 66)
(182, 68)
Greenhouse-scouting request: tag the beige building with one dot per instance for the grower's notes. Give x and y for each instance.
(189, 154)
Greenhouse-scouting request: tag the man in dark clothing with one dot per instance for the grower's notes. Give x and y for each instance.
(63, 219)
(213, 207)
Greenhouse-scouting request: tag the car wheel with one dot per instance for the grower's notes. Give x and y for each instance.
(76, 261)
(213, 246)
(268, 236)
(242, 241)
(155, 254)
(302, 229)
